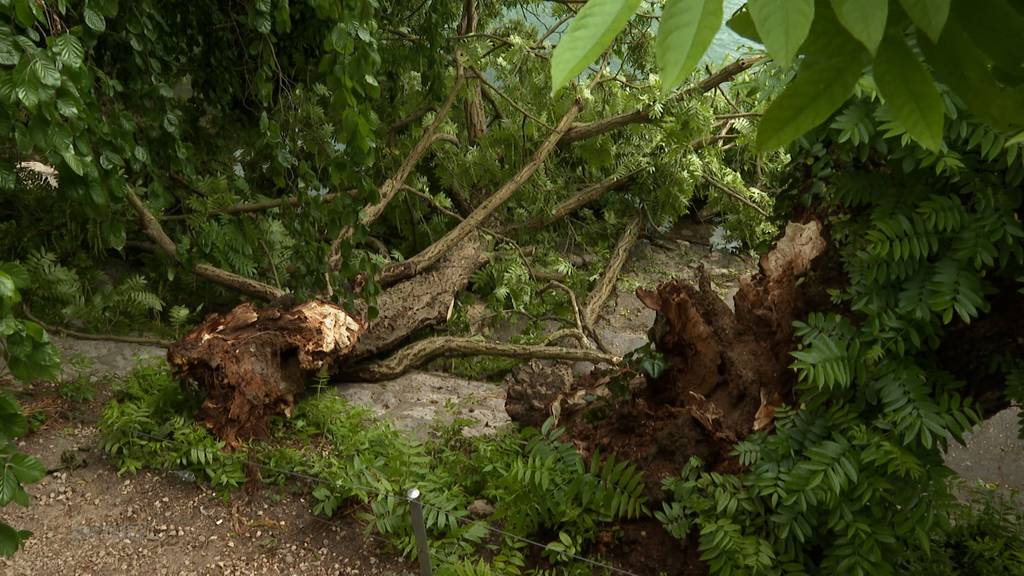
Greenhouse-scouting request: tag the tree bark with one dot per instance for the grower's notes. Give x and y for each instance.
(604, 287)
(402, 270)
(427, 349)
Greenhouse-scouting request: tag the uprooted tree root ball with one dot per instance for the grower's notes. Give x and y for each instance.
(252, 363)
(726, 370)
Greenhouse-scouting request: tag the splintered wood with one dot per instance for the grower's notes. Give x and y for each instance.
(252, 363)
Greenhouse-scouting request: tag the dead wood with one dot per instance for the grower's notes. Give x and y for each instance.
(392, 185)
(248, 286)
(423, 351)
(422, 301)
(643, 115)
(58, 329)
(408, 268)
(726, 371)
(253, 362)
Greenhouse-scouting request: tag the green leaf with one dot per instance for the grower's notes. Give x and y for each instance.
(996, 29)
(686, 30)
(909, 91)
(26, 468)
(589, 33)
(69, 50)
(11, 539)
(864, 19)
(9, 54)
(743, 24)
(46, 72)
(783, 25)
(928, 15)
(826, 78)
(95, 20)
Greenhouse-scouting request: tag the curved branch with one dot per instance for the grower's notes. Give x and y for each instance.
(56, 329)
(418, 353)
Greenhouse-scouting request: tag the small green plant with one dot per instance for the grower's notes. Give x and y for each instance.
(79, 389)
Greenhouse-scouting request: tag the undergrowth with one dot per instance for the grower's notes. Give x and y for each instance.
(539, 486)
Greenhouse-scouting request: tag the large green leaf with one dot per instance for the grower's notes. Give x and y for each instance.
(909, 91)
(741, 23)
(928, 15)
(782, 25)
(26, 468)
(826, 78)
(864, 19)
(69, 50)
(95, 20)
(589, 33)
(997, 29)
(965, 69)
(11, 539)
(686, 30)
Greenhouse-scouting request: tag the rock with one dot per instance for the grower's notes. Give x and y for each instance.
(480, 509)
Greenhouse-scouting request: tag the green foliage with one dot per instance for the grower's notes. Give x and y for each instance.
(690, 26)
(26, 351)
(853, 481)
(967, 47)
(590, 33)
(538, 484)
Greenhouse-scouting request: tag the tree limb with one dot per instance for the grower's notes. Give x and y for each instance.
(418, 353)
(604, 287)
(737, 196)
(56, 329)
(260, 206)
(643, 115)
(391, 186)
(418, 263)
(575, 202)
(248, 286)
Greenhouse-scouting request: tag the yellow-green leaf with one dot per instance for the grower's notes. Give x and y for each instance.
(589, 33)
(686, 30)
(743, 24)
(864, 19)
(928, 15)
(909, 91)
(782, 25)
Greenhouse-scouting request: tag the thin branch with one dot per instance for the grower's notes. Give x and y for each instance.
(604, 287)
(577, 201)
(391, 186)
(151, 227)
(736, 195)
(416, 264)
(260, 206)
(56, 329)
(643, 115)
(422, 351)
(509, 99)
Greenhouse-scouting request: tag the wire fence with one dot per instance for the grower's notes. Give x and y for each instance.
(415, 499)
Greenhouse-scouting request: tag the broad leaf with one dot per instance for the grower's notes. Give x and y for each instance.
(909, 91)
(46, 72)
(864, 19)
(928, 15)
(11, 539)
(686, 30)
(743, 24)
(826, 78)
(69, 50)
(996, 28)
(95, 20)
(26, 468)
(782, 25)
(589, 33)
(960, 65)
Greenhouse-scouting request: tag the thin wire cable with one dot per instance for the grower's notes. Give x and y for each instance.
(486, 525)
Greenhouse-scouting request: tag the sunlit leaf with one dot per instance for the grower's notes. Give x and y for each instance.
(909, 90)
(686, 30)
(783, 25)
(590, 32)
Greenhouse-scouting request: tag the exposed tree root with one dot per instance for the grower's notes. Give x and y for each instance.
(252, 363)
(423, 351)
(725, 371)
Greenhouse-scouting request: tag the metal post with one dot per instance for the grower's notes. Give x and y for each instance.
(420, 530)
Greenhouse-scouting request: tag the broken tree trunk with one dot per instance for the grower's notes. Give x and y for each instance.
(726, 371)
(253, 362)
